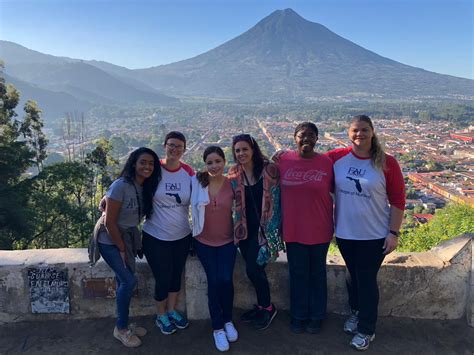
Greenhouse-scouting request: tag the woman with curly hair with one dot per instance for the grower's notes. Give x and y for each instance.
(256, 221)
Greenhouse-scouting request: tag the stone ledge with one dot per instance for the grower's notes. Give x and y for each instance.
(434, 285)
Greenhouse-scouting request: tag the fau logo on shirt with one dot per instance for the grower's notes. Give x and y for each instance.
(175, 187)
(298, 177)
(357, 173)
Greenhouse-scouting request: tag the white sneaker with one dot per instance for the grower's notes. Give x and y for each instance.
(128, 339)
(220, 340)
(230, 332)
(137, 330)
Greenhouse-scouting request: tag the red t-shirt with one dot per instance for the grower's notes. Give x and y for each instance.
(307, 205)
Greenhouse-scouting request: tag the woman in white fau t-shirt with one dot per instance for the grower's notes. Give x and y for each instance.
(167, 234)
(370, 200)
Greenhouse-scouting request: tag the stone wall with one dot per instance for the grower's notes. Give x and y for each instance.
(438, 284)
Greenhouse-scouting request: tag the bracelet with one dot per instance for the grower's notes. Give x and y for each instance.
(396, 234)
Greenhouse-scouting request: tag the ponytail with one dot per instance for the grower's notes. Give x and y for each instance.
(377, 153)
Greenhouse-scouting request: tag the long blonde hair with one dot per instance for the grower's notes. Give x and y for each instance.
(377, 153)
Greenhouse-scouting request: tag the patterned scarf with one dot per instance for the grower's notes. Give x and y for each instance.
(270, 220)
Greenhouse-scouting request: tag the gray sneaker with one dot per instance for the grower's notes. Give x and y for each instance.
(350, 325)
(361, 341)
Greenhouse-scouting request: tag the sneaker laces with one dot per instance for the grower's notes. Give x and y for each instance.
(176, 315)
(165, 320)
(353, 318)
(220, 337)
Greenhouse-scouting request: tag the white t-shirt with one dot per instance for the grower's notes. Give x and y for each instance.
(170, 218)
(364, 195)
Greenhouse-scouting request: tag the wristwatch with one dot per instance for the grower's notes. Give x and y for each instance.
(396, 234)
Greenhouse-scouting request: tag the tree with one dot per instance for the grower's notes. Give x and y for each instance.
(15, 157)
(450, 222)
(31, 128)
(60, 199)
(51, 209)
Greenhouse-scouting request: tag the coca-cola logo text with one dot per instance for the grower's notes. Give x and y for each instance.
(298, 177)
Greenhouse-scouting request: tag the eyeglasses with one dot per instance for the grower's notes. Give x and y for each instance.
(174, 146)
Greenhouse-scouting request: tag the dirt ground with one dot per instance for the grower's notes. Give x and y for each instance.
(394, 336)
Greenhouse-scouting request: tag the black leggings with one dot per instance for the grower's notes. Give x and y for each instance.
(363, 259)
(166, 260)
(249, 249)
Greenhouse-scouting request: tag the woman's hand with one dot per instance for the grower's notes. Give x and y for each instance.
(390, 244)
(123, 255)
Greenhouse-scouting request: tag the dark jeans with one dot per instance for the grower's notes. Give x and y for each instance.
(218, 263)
(308, 281)
(249, 249)
(363, 259)
(166, 260)
(126, 282)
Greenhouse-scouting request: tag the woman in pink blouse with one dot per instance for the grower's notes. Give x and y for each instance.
(211, 201)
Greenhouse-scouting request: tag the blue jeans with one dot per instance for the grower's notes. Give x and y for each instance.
(126, 282)
(308, 280)
(218, 263)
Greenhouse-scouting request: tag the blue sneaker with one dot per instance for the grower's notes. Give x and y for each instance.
(163, 322)
(361, 341)
(350, 325)
(178, 319)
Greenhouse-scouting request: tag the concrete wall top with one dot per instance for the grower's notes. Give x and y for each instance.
(447, 250)
(436, 257)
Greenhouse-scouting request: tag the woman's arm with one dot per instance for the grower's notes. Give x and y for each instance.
(396, 218)
(111, 224)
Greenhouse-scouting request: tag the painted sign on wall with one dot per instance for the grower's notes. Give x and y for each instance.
(49, 290)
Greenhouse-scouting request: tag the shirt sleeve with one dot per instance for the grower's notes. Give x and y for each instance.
(337, 154)
(188, 169)
(395, 183)
(116, 190)
(277, 156)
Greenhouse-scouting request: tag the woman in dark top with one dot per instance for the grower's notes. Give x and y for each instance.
(257, 229)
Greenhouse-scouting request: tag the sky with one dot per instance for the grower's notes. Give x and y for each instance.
(435, 35)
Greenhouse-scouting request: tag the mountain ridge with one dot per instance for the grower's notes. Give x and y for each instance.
(282, 58)
(285, 56)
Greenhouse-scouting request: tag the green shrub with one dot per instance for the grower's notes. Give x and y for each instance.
(450, 222)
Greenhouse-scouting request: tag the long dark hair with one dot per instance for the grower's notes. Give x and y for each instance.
(258, 158)
(203, 176)
(150, 184)
(377, 153)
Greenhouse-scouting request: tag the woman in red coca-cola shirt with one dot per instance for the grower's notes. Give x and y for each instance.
(306, 181)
